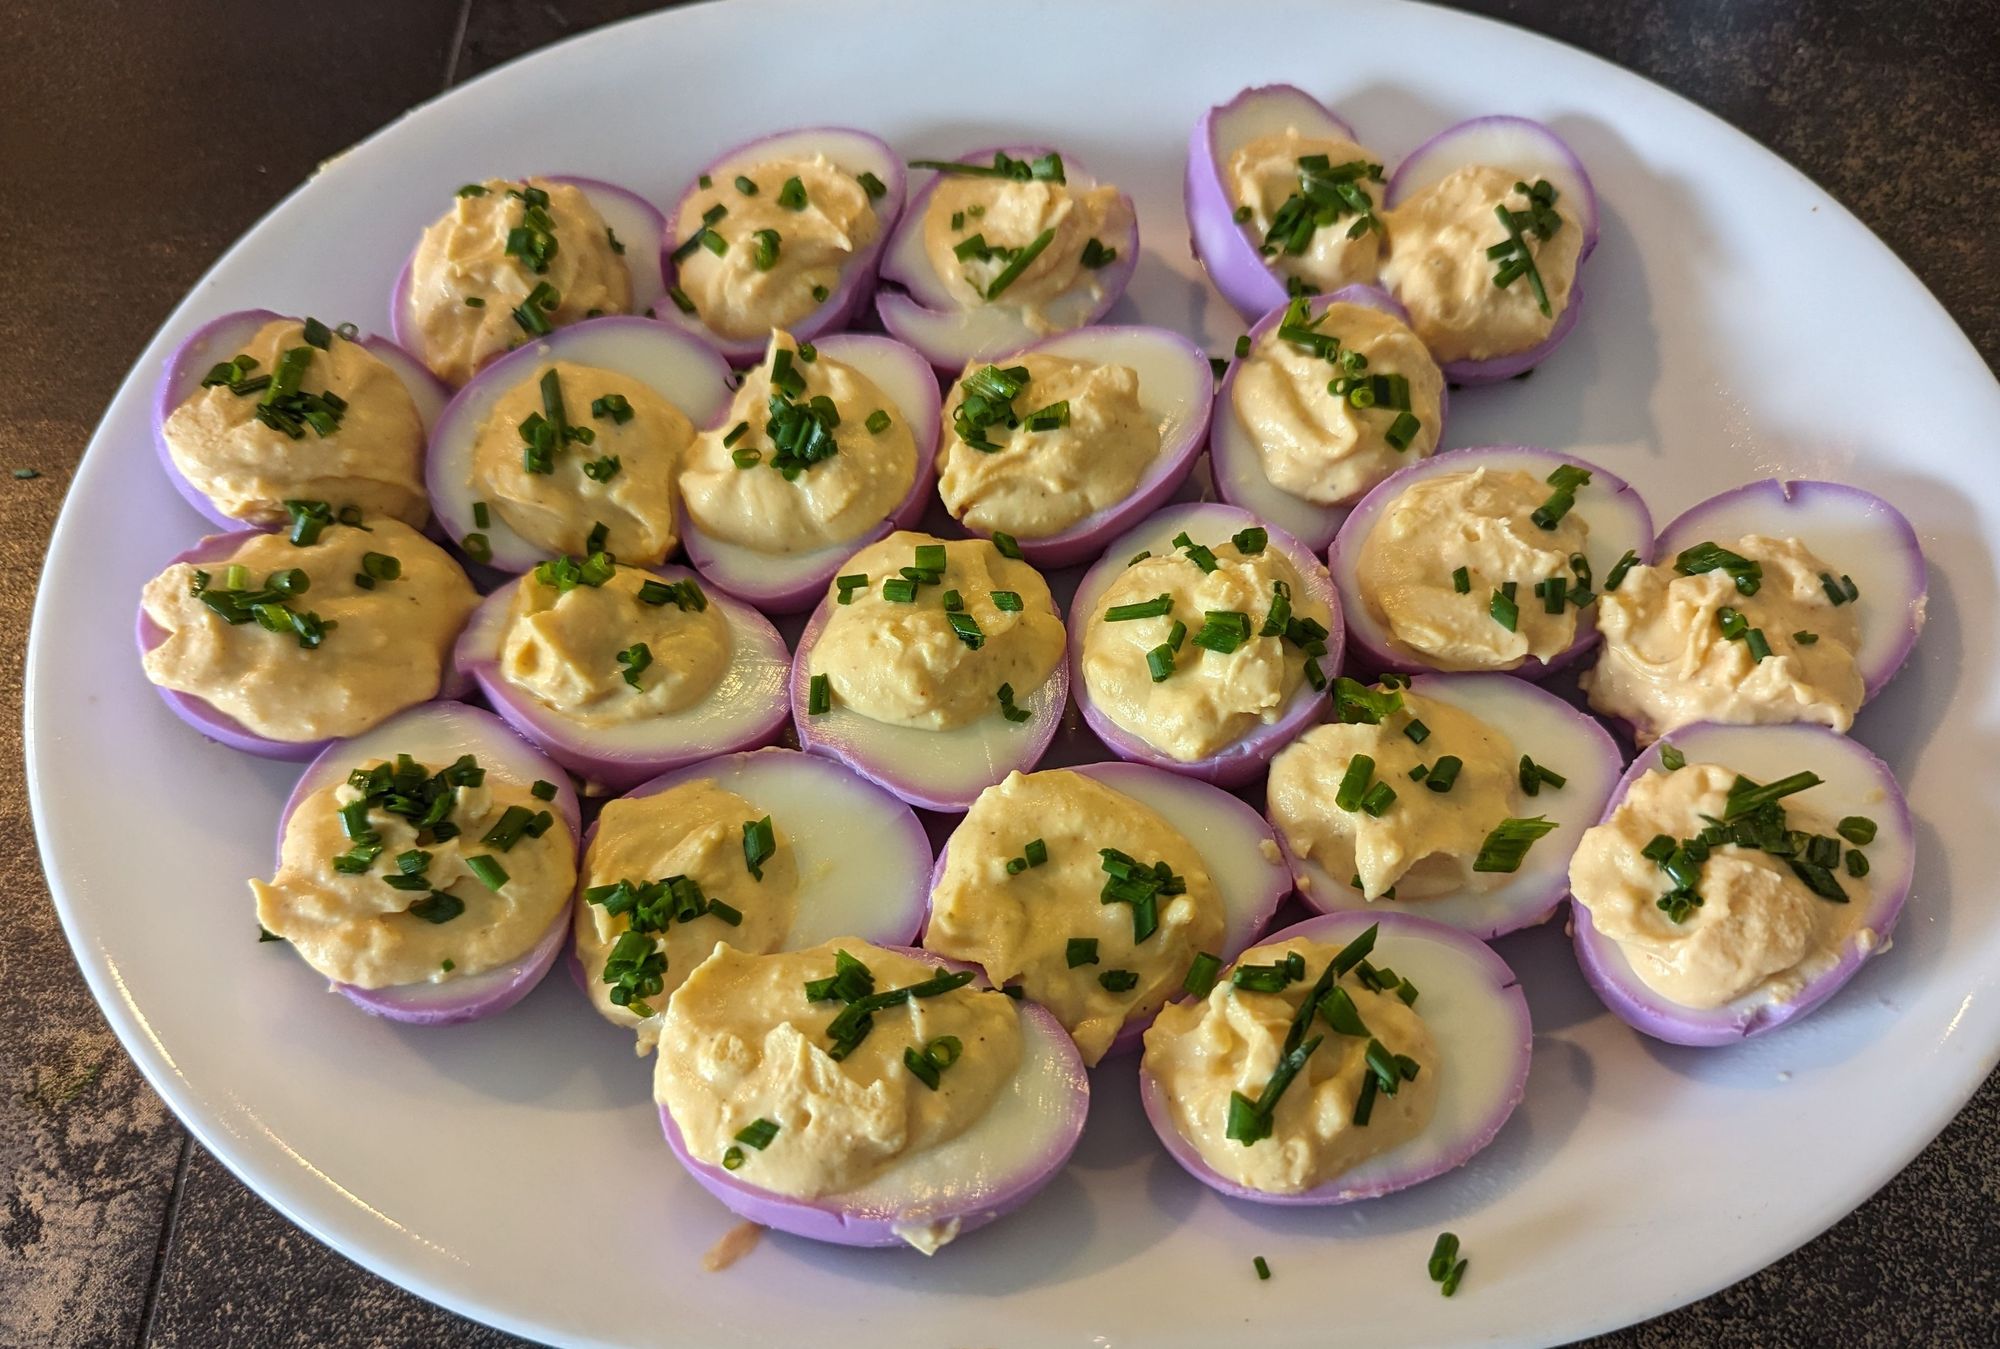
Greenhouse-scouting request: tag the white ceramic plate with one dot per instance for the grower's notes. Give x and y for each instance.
(513, 1169)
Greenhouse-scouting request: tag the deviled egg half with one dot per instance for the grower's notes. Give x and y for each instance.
(279, 644)
(1003, 247)
(573, 445)
(620, 673)
(1773, 602)
(1325, 398)
(1488, 226)
(768, 850)
(1739, 877)
(1342, 1058)
(425, 867)
(516, 259)
(826, 446)
(1064, 443)
(1485, 559)
(865, 1095)
(1102, 891)
(781, 232)
(933, 667)
(1281, 199)
(1204, 641)
(255, 410)
(1459, 798)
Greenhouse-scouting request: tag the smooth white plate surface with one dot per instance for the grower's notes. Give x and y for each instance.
(513, 1169)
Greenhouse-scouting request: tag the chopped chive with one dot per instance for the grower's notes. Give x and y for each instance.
(899, 590)
(1507, 845)
(1857, 829)
(878, 422)
(820, 700)
(1461, 581)
(1252, 541)
(873, 186)
(1377, 799)
(1504, 610)
(1160, 663)
(1007, 707)
(543, 790)
(1012, 271)
(1158, 607)
(850, 583)
(1202, 974)
(1444, 773)
(489, 871)
(1006, 544)
(1006, 601)
(757, 1134)
(792, 196)
(1533, 777)
(760, 844)
(1354, 782)
(1671, 758)
(1417, 731)
(1118, 981)
(1262, 1267)
(1080, 951)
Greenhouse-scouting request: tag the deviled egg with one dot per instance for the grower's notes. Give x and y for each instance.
(864, 1095)
(1457, 797)
(1204, 641)
(782, 232)
(826, 446)
(573, 445)
(620, 673)
(1486, 559)
(1738, 878)
(515, 259)
(1488, 226)
(1002, 247)
(1773, 602)
(933, 667)
(254, 410)
(425, 867)
(1325, 398)
(1101, 891)
(1062, 444)
(1281, 199)
(1343, 1058)
(279, 643)
(761, 851)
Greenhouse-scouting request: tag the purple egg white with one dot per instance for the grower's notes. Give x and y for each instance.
(1238, 464)
(680, 369)
(1556, 736)
(1210, 524)
(436, 734)
(1235, 844)
(856, 152)
(917, 307)
(785, 583)
(1855, 783)
(222, 338)
(745, 709)
(1226, 248)
(1533, 151)
(1176, 390)
(1854, 532)
(1618, 518)
(932, 770)
(211, 721)
(1477, 1014)
(637, 223)
(995, 1166)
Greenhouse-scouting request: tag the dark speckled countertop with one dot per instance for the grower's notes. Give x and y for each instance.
(141, 138)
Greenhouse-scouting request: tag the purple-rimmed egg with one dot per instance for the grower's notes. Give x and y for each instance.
(1473, 1016)
(1435, 538)
(521, 658)
(1239, 701)
(1708, 938)
(1570, 767)
(237, 457)
(1131, 415)
(830, 196)
(1299, 436)
(885, 419)
(1020, 244)
(436, 737)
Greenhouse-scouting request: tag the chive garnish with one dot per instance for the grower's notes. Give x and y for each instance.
(873, 186)
(489, 871)
(1262, 1266)
(1707, 557)
(1504, 610)
(1507, 846)
(1671, 758)
(1006, 544)
(1160, 663)
(1118, 981)
(1158, 607)
(760, 844)
(1533, 776)
(1080, 951)
(819, 700)
(1047, 168)
(1011, 273)
(1007, 707)
(1202, 974)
